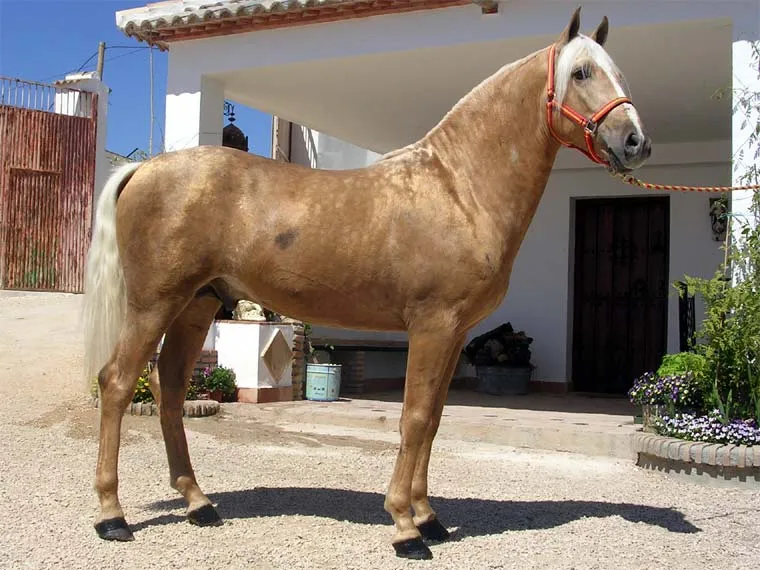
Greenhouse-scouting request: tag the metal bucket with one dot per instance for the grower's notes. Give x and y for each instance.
(323, 382)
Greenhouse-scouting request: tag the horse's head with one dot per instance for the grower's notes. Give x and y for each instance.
(589, 101)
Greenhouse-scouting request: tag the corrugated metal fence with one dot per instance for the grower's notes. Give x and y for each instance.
(47, 180)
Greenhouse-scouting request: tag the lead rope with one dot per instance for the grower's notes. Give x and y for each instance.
(633, 181)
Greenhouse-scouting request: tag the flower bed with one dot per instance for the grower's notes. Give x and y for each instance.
(709, 429)
(676, 403)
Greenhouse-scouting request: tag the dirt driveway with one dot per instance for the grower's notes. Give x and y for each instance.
(308, 500)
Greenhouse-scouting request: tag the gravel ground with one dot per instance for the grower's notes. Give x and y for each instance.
(298, 500)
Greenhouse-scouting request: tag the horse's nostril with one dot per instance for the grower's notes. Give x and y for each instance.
(632, 142)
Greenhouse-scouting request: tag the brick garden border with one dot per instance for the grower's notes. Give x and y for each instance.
(191, 408)
(713, 462)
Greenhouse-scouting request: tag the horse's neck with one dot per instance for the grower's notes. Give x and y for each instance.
(496, 143)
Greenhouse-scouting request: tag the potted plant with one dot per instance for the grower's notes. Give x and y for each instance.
(502, 361)
(219, 383)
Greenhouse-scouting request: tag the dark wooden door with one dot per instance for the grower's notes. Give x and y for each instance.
(621, 291)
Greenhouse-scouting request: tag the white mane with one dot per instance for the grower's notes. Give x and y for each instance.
(579, 46)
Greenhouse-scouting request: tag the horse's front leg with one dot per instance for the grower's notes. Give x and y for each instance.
(424, 516)
(429, 356)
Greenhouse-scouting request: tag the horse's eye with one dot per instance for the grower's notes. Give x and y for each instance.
(581, 73)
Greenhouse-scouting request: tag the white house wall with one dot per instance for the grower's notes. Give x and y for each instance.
(319, 150)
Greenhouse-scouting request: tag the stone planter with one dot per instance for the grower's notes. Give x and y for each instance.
(649, 413)
(712, 463)
(190, 408)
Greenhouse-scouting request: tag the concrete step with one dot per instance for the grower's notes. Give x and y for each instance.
(594, 427)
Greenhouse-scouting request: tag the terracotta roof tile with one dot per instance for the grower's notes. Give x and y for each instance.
(172, 20)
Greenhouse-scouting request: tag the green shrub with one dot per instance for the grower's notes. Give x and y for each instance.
(729, 337)
(683, 363)
(220, 379)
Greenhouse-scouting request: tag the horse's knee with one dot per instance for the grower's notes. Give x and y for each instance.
(414, 426)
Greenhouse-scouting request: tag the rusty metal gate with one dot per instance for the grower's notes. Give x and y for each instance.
(47, 181)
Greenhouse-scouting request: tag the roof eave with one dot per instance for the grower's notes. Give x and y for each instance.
(162, 31)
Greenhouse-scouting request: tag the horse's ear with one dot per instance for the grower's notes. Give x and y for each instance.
(571, 31)
(600, 34)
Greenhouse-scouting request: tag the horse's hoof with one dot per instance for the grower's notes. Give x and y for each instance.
(205, 516)
(114, 529)
(413, 549)
(433, 531)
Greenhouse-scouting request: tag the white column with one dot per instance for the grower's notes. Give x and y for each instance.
(746, 79)
(102, 166)
(194, 107)
(72, 103)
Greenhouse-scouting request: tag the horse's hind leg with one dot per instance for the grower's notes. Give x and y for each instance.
(117, 379)
(182, 344)
(424, 516)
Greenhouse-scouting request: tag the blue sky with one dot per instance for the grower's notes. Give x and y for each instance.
(42, 40)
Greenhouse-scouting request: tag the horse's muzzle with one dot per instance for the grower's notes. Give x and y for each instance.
(633, 149)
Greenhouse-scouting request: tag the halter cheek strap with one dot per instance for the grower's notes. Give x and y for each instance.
(590, 125)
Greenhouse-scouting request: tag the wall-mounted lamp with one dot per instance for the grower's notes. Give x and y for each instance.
(719, 217)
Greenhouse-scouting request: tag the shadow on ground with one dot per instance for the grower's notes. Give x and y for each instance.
(473, 517)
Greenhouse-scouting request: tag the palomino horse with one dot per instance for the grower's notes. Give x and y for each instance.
(421, 241)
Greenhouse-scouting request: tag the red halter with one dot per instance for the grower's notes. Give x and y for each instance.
(590, 126)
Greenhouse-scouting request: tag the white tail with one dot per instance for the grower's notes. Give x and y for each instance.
(104, 299)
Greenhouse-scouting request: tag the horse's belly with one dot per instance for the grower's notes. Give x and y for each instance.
(321, 301)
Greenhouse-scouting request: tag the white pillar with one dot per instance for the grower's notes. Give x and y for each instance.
(746, 79)
(71, 103)
(194, 107)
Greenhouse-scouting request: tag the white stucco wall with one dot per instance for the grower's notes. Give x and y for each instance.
(320, 150)
(745, 80)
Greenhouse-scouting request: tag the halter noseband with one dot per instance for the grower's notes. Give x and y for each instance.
(590, 125)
